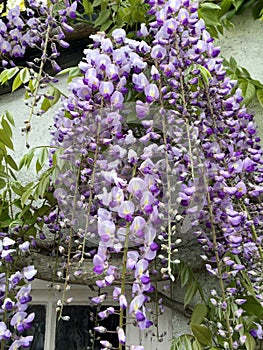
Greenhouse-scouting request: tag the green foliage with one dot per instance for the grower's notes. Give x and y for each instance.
(202, 334)
(185, 341)
(52, 97)
(251, 88)
(188, 281)
(17, 200)
(199, 314)
(217, 16)
(21, 78)
(108, 15)
(250, 343)
(72, 72)
(8, 74)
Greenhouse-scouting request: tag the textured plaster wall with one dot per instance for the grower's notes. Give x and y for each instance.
(41, 126)
(244, 42)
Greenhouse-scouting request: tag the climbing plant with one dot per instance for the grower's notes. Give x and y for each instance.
(151, 142)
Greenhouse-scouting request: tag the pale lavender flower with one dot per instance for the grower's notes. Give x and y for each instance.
(100, 329)
(119, 35)
(8, 242)
(121, 336)
(21, 342)
(136, 303)
(99, 299)
(21, 321)
(126, 210)
(102, 61)
(8, 304)
(136, 186)
(106, 89)
(158, 52)
(151, 92)
(4, 332)
(257, 333)
(106, 344)
(29, 272)
(183, 16)
(142, 109)
(123, 301)
(24, 247)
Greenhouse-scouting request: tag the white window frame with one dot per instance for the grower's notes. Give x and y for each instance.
(43, 295)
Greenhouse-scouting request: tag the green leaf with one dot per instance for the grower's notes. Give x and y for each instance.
(232, 62)
(2, 184)
(248, 91)
(24, 75)
(16, 83)
(12, 72)
(185, 273)
(199, 313)
(32, 86)
(183, 342)
(74, 72)
(103, 17)
(27, 159)
(260, 96)
(225, 6)
(9, 117)
(190, 292)
(17, 188)
(206, 75)
(47, 103)
(26, 195)
(106, 26)
(11, 162)
(210, 5)
(202, 334)
(250, 343)
(4, 175)
(3, 76)
(7, 128)
(87, 6)
(252, 306)
(96, 3)
(209, 16)
(43, 155)
(257, 9)
(6, 140)
(196, 345)
(238, 4)
(22, 78)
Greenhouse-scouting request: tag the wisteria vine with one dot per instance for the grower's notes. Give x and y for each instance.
(150, 123)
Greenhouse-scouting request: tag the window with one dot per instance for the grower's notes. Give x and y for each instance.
(76, 334)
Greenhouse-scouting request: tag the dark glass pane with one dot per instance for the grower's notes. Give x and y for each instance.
(38, 328)
(77, 333)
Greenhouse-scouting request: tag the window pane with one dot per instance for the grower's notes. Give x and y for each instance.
(77, 333)
(38, 327)
(37, 330)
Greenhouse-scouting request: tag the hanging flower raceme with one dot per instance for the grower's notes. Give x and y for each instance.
(179, 145)
(15, 295)
(22, 31)
(228, 146)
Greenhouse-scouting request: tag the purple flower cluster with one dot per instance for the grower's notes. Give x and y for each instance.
(145, 129)
(21, 31)
(14, 298)
(228, 157)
